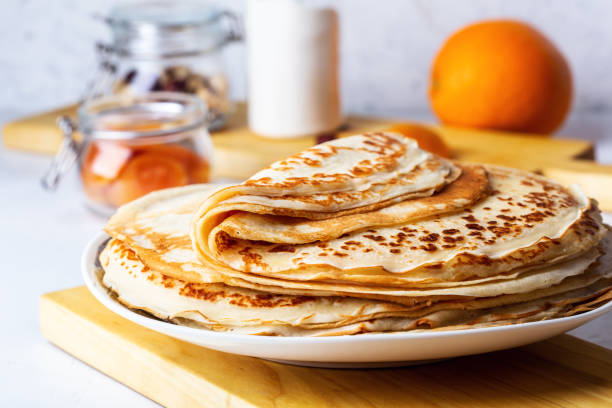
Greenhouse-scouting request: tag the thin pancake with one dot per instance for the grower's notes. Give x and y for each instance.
(347, 173)
(527, 220)
(160, 220)
(468, 189)
(221, 307)
(157, 225)
(160, 223)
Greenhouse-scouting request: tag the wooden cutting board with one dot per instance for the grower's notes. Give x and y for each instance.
(239, 152)
(560, 372)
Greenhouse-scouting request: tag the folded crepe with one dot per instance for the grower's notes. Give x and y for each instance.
(362, 234)
(484, 225)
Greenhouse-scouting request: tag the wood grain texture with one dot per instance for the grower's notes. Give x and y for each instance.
(236, 142)
(38, 133)
(561, 372)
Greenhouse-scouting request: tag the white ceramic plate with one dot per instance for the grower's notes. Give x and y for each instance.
(363, 350)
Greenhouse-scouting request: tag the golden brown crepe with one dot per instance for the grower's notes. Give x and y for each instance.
(524, 221)
(366, 233)
(220, 307)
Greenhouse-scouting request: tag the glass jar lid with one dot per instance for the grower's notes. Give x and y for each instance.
(134, 117)
(152, 28)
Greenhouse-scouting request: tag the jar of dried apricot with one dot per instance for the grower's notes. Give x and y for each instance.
(127, 146)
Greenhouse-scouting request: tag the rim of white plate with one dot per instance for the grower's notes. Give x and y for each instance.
(88, 269)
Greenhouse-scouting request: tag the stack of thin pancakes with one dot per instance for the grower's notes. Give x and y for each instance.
(367, 233)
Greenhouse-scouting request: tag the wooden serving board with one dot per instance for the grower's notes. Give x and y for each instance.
(239, 152)
(561, 372)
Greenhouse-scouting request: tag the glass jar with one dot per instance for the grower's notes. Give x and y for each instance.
(127, 146)
(168, 46)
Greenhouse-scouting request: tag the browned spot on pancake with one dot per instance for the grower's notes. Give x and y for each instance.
(474, 226)
(433, 237)
(224, 241)
(213, 293)
(589, 224)
(507, 199)
(268, 300)
(331, 150)
(199, 291)
(311, 162)
(506, 217)
(167, 281)
(282, 248)
(471, 259)
(451, 231)
(125, 252)
(437, 265)
(249, 258)
(376, 238)
(499, 231)
(452, 240)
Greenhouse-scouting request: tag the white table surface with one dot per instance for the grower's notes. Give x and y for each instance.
(41, 238)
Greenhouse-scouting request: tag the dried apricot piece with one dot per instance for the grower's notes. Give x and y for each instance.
(94, 184)
(197, 167)
(200, 173)
(145, 173)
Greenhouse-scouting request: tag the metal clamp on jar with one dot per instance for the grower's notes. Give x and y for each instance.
(168, 46)
(127, 146)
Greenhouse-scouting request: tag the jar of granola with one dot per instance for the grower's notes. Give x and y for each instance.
(168, 46)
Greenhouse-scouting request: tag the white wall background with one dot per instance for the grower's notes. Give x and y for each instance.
(46, 48)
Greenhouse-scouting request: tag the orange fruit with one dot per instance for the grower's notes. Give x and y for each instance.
(501, 75)
(425, 137)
